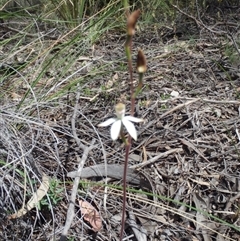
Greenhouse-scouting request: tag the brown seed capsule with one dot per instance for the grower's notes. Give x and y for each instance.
(141, 62)
(131, 22)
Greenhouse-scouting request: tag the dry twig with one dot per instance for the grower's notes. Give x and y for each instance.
(86, 149)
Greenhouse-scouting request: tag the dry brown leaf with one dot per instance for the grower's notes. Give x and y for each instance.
(91, 215)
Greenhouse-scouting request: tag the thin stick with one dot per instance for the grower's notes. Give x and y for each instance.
(81, 161)
(156, 158)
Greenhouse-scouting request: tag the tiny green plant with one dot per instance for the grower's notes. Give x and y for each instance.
(165, 96)
(54, 195)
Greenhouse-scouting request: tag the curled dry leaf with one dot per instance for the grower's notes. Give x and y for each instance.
(91, 215)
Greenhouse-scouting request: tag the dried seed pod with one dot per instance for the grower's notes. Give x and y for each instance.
(131, 22)
(141, 62)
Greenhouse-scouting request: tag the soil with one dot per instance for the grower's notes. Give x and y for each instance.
(183, 170)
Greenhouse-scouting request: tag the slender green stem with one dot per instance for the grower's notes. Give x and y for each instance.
(126, 6)
(128, 49)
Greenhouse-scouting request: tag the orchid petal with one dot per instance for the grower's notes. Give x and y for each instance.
(130, 128)
(115, 129)
(133, 119)
(107, 122)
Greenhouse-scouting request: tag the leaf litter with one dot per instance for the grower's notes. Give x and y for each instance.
(189, 144)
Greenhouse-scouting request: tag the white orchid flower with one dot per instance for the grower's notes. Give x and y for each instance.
(121, 120)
